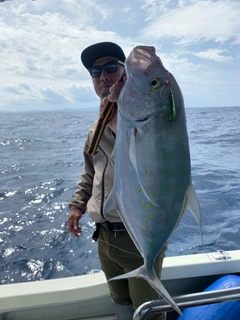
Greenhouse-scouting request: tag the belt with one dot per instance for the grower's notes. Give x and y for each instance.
(114, 226)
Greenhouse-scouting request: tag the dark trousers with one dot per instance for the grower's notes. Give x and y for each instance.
(118, 255)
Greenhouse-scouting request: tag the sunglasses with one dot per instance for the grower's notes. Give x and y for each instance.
(109, 67)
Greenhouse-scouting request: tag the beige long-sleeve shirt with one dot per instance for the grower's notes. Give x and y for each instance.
(96, 180)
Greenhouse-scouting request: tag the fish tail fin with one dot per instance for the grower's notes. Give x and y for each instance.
(155, 283)
(132, 274)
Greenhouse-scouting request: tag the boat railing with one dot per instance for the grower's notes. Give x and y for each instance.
(187, 301)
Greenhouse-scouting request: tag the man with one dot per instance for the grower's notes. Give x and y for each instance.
(117, 252)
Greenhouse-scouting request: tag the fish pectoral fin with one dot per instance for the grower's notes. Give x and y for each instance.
(135, 162)
(111, 204)
(132, 150)
(192, 205)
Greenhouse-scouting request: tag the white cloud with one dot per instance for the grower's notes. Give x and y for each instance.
(47, 97)
(197, 40)
(213, 54)
(194, 21)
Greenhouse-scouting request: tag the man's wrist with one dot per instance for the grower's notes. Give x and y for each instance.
(76, 208)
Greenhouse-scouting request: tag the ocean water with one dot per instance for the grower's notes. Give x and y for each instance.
(40, 164)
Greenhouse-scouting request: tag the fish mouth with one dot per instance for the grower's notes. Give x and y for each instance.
(142, 120)
(137, 117)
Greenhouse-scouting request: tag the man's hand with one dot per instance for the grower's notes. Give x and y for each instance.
(73, 222)
(115, 91)
(113, 97)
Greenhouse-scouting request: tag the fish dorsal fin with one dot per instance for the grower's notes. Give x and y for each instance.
(192, 205)
(113, 204)
(132, 155)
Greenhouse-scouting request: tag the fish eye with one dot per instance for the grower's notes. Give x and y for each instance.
(155, 83)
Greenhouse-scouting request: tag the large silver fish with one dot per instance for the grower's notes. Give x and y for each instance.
(152, 183)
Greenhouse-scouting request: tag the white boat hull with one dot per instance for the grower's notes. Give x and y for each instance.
(87, 296)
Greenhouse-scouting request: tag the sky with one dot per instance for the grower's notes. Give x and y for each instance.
(41, 41)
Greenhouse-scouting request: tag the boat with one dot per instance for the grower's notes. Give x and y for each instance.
(87, 296)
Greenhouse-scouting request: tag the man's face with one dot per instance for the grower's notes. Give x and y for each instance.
(106, 80)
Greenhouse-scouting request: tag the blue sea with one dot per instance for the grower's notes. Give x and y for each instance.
(41, 161)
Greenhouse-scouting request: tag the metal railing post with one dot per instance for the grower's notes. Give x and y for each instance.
(187, 301)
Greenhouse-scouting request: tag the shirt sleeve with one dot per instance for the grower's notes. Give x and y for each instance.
(84, 187)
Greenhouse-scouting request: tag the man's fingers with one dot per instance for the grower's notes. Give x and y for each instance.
(115, 91)
(75, 232)
(75, 223)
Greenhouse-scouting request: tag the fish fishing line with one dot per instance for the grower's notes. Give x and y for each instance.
(116, 247)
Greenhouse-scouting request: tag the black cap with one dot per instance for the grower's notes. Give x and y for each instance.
(99, 50)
